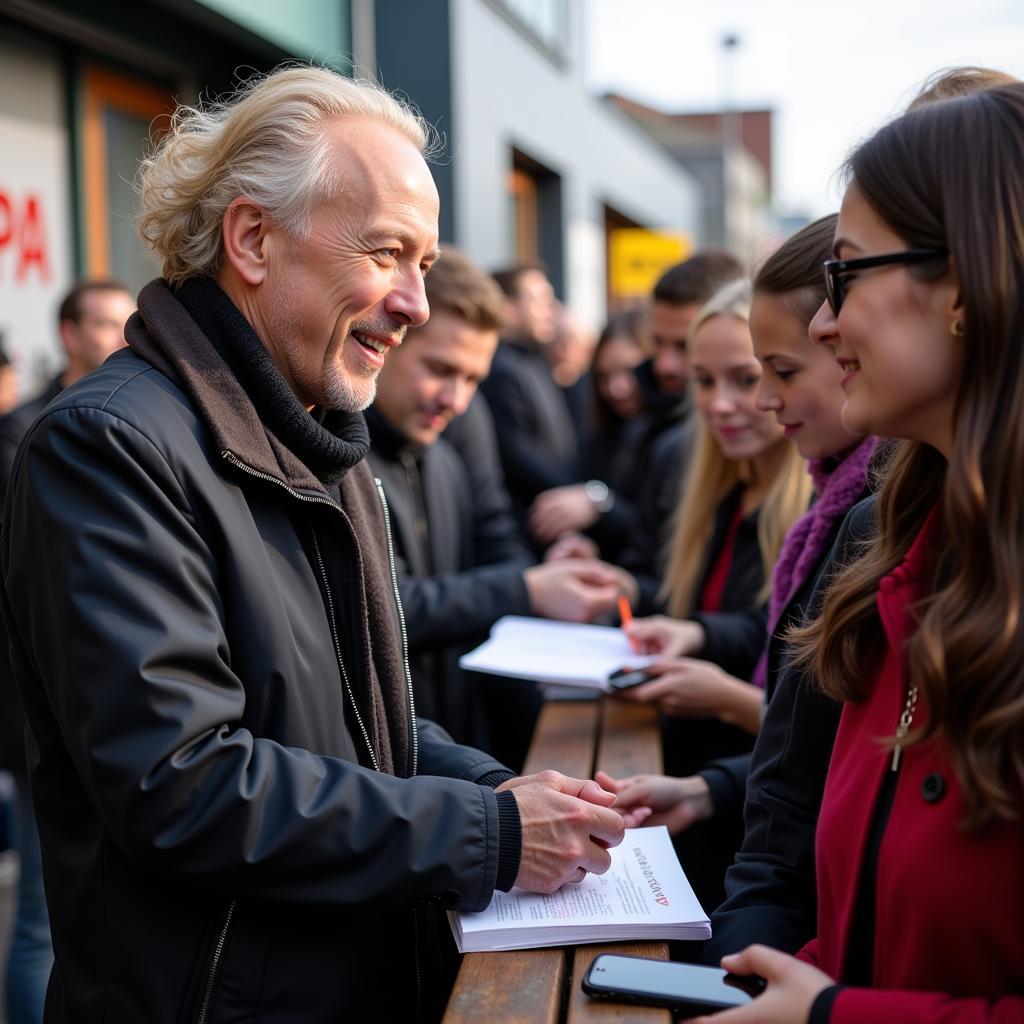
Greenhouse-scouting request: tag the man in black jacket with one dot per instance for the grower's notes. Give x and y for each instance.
(536, 436)
(91, 323)
(242, 816)
(462, 563)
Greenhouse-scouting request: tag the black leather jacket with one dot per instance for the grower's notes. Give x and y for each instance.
(179, 597)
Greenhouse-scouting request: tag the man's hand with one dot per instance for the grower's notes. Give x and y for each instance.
(576, 590)
(571, 545)
(792, 988)
(560, 510)
(567, 829)
(659, 800)
(670, 638)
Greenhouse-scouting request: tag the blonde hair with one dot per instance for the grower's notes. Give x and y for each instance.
(711, 476)
(267, 142)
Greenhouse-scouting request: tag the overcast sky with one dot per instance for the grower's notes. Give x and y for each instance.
(832, 69)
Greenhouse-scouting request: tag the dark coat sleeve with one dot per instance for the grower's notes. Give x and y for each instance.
(142, 695)
(643, 555)
(770, 888)
(484, 577)
(529, 467)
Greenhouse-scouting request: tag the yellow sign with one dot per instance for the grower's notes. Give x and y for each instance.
(638, 257)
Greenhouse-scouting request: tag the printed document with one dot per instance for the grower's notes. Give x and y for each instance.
(553, 652)
(643, 895)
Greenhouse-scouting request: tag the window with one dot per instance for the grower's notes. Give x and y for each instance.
(546, 21)
(119, 118)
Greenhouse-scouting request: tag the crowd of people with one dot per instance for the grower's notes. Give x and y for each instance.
(250, 529)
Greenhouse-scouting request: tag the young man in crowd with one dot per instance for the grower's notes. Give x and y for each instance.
(462, 562)
(536, 436)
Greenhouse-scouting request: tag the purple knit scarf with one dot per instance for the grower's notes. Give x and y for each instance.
(838, 486)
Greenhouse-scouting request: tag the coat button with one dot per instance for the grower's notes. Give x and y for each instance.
(933, 787)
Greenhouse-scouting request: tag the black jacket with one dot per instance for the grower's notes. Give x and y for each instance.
(727, 778)
(208, 648)
(735, 634)
(460, 566)
(536, 437)
(13, 427)
(770, 889)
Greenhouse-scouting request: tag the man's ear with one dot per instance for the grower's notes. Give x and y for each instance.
(69, 336)
(244, 234)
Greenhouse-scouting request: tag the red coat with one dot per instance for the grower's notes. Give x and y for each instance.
(949, 905)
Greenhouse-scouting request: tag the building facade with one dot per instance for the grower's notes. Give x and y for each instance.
(534, 166)
(84, 88)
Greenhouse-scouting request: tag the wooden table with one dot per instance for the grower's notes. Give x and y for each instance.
(542, 986)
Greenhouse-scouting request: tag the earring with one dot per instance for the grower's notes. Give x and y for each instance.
(956, 328)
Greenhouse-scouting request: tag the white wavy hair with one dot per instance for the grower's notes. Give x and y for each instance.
(267, 142)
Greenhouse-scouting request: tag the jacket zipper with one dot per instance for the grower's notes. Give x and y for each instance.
(312, 499)
(402, 629)
(218, 952)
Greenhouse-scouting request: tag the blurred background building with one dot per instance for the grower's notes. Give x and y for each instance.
(532, 167)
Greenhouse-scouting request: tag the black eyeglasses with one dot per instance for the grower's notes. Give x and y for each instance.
(835, 270)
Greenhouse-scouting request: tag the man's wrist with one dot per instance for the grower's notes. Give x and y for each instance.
(510, 840)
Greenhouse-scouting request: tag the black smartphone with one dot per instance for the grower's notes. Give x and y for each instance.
(682, 987)
(624, 678)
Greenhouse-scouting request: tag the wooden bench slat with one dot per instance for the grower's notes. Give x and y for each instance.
(584, 1010)
(524, 987)
(564, 738)
(630, 738)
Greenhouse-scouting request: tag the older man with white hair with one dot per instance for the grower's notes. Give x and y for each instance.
(240, 814)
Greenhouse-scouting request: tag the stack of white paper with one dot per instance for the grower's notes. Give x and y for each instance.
(644, 895)
(553, 652)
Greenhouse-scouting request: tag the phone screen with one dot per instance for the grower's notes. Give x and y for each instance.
(669, 984)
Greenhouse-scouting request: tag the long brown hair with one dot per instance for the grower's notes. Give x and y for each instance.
(951, 175)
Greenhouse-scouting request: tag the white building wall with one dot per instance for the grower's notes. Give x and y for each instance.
(507, 93)
(35, 211)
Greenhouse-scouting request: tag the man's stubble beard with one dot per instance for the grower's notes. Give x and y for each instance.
(335, 390)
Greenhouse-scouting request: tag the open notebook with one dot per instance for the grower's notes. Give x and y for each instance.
(644, 895)
(553, 652)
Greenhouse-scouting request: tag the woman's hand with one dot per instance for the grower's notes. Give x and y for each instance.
(669, 638)
(691, 688)
(659, 800)
(792, 988)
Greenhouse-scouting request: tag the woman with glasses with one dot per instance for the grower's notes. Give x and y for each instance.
(920, 839)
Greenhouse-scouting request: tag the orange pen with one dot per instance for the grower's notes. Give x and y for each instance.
(626, 618)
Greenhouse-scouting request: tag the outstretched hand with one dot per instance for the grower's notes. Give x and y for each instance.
(660, 800)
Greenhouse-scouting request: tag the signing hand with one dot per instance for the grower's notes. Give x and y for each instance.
(670, 638)
(576, 590)
(792, 988)
(659, 800)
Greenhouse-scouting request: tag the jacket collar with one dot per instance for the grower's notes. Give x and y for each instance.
(268, 439)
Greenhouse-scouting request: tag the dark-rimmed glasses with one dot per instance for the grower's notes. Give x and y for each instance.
(835, 288)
